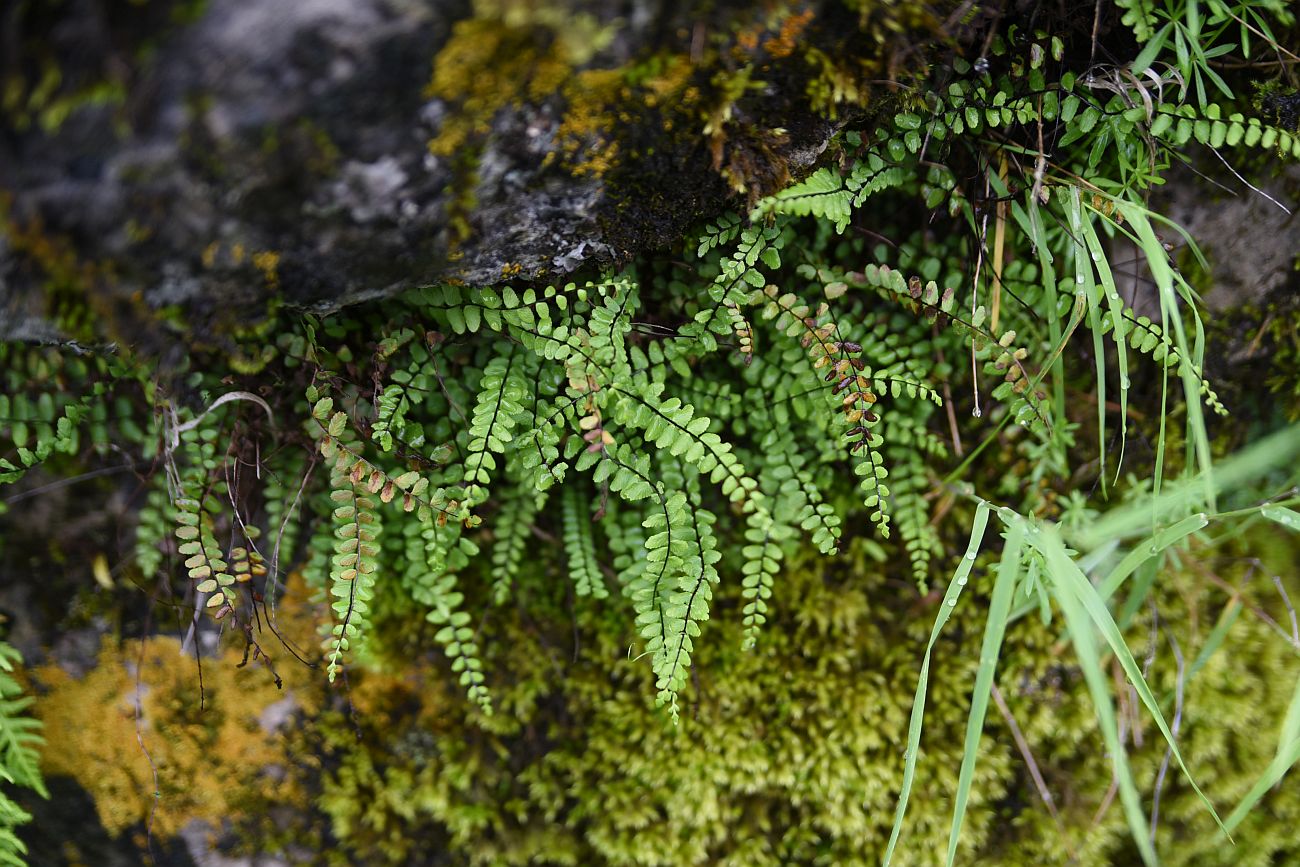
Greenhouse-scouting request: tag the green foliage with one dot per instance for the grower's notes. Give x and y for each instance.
(19, 762)
(681, 430)
(48, 399)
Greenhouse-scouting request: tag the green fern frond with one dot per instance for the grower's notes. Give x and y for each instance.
(20, 740)
(579, 546)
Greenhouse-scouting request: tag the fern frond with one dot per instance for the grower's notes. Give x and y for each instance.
(204, 563)
(850, 393)
(721, 231)
(436, 590)
(674, 428)
(912, 512)
(502, 392)
(1150, 339)
(20, 765)
(355, 562)
(513, 524)
(688, 540)
(579, 547)
(822, 195)
(1000, 354)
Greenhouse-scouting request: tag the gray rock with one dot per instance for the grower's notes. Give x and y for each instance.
(273, 149)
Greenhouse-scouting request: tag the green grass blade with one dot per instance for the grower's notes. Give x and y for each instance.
(1146, 579)
(955, 586)
(1277, 450)
(1119, 330)
(995, 628)
(1073, 582)
(1288, 518)
(1144, 551)
(1080, 628)
(1084, 283)
(1216, 637)
(1290, 724)
(1275, 771)
(1163, 274)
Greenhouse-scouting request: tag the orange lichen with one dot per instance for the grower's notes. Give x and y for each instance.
(786, 40)
(137, 714)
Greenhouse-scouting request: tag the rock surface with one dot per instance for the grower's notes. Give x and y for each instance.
(282, 151)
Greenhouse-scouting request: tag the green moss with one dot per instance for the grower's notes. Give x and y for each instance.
(791, 754)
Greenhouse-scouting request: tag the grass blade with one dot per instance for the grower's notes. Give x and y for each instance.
(995, 628)
(1146, 579)
(1288, 518)
(1144, 551)
(1073, 582)
(1275, 771)
(918, 702)
(1216, 637)
(1085, 284)
(1080, 628)
(1119, 330)
(1277, 450)
(1290, 724)
(1163, 274)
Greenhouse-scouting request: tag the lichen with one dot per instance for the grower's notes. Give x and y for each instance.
(212, 762)
(487, 66)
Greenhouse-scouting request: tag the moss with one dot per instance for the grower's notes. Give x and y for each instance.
(792, 754)
(1260, 343)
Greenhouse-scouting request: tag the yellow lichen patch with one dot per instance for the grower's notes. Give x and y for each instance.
(602, 100)
(268, 262)
(211, 763)
(486, 66)
(669, 78)
(584, 143)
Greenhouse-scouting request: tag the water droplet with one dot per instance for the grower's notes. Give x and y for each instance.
(1078, 278)
(970, 555)
(952, 601)
(961, 582)
(1123, 382)
(977, 412)
(1096, 257)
